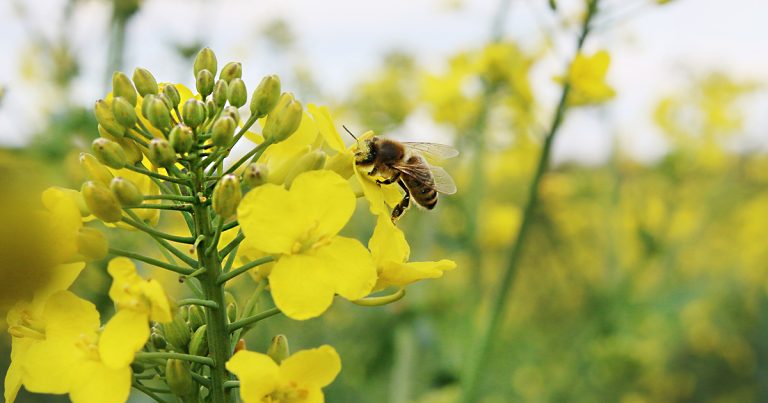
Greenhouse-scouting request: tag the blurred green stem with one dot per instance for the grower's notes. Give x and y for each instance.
(489, 329)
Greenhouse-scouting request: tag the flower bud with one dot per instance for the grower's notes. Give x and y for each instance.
(158, 113)
(101, 201)
(255, 174)
(265, 96)
(282, 122)
(237, 94)
(196, 317)
(125, 191)
(106, 118)
(145, 82)
(91, 244)
(205, 60)
(278, 349)
(161, 153)
(193, 112)
(137, 367)
(158, 341)
(109, 153)
(124, 112)
(177, 333)
(94, 170)
(178, 375)
(226, 196)
(166, 101)
(204, 82)
(231, 312)
(198, 345)
(210, 108)
(231, 71)
(222, 132)
(220, 91)
(123, 87)
(131, 149)
(181, 138)
(310, 161)
(170, 91)
(232, 112)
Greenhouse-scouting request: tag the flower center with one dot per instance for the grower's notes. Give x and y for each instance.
(28, 327)
(288, 393)
(134, 299)
(310, 240)
(89, 345)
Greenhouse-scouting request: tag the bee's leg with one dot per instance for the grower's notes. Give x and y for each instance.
(373, 171)
(403, 205)
(389, 181)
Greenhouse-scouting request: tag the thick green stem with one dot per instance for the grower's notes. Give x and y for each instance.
(498, 305)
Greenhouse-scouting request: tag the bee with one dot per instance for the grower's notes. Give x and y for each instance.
(406, 164)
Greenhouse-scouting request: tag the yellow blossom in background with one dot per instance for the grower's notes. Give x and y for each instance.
(314, 262)
(298, 379)
(68, 360)
(390, 251)
(137, 301)
(587, 78)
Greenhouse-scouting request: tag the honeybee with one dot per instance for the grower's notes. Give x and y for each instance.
(406, 163)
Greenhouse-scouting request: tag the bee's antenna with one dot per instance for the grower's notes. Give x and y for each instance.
(350, 133)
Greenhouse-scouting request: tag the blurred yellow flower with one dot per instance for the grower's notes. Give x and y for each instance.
(299, 378)
(587, 79)
(315, 263)
(137, 301)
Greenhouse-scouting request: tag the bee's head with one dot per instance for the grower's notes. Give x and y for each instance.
(365, 153)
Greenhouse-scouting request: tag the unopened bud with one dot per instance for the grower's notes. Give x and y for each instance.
(310, 161)
(222, 132)
(232, 112)
(255, 174)
(131, 149)
(145, 82)
(137, 367)
(220, 91)
(181, 138)
(237, 93)
(158, 113)
(196, 317)
(125, 191)
(205, 60)
(158, 341)
(178, 375)
(210, 108)
(198, 345)
(106, 118)
(109, 153)
(94, 170)
(226, 196)
(283, 122)
(91, 244)
(177, 333)
(265, 96)
(124, 112)
(204, 83)
(173, 95)
(193, 112)
(161, 153)
(231, 71)
(123, 87)
(101, 201)
(278, 349)
(166, 100)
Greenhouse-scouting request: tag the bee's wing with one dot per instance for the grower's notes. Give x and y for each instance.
(443, 181)
(433, 151)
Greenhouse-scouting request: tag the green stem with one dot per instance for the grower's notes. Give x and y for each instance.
(213, 247)
(201, 379)
(154, 262)
(146, 391)
(144, 171)
(231, 245)
(498, 305)
(169, 207)
(255, 153)
(253, 319)
(159, 234)
(232, 384)
(195, 301)
(175, 197)
(179, 356)
(224, 277)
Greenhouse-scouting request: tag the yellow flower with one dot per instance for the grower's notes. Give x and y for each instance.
(587, 78)
(390, 252)
(137, 301)
(301, 225)
(68, 360)
(378, 196)
(26, 324)
(299, 378)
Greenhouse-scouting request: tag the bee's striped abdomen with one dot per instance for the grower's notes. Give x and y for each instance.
(422, 193)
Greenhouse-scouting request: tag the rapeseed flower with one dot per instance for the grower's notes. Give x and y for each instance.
(587, 79)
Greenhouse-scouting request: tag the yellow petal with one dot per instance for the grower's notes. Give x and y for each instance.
(257, 374)
(124, 335)
(96, 383)
(62, 276)
(67, 316)
(314, 395)
(300, 288)
(48, 366)
(388, 244)
(124, 276)
(271, 219)
(327, 199)
(161, 309)
(12, 384)
(316, 367)
(402, 274)
(348, 266)
(64, 223)
(327, 129)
